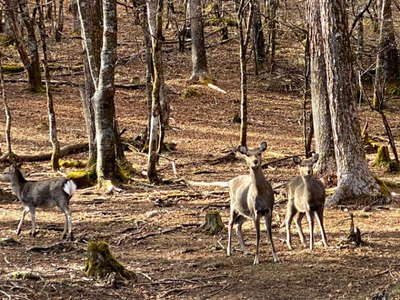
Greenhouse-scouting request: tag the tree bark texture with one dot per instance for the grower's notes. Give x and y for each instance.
(258, 38)
(154, 15)
(32, 63)
(60, 21)
(7, 113)
(199, 58)
(90, 14)
(50, 103)
(244, 18)
(104, 96)
(319, 95)
(387, 47)
(354, 177)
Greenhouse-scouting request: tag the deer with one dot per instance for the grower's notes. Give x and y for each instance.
(306, 196)
(251, 197)
(42, 194)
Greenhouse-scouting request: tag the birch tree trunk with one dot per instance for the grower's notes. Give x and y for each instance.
(199, 58)
(55, 156)
(354, 177)
(324, 146)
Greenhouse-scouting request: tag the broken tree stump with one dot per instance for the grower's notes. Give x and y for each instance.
(382, 157)
(101, 264)
(213, 223)
(354, 234)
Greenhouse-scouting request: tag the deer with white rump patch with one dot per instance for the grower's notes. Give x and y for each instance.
(251, 197)
(42, 194)
(306, 196)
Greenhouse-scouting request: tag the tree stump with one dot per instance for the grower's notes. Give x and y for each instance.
(382, 157)
(101, 264)
(213, 223)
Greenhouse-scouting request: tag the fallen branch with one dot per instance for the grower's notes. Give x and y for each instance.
(168, 230)
(64, 151)
(70, 83)
(223, 184)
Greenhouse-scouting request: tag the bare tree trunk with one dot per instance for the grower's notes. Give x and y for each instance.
(324, 146)
(387, 49)
(90, 12)
(382, 72)
(354, 177)
(199, 58)
(7, 113)
(104, 97)
(154, 13)
(31, 64)
(244, 18)
(50, 105)
(60, 21)
(258, 38)
(272, 8)
(73, 9)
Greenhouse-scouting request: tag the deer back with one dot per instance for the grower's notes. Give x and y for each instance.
(306, 192)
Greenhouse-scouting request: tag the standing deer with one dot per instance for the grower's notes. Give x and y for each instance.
(306, 196)
(251, 197)
(43, 194)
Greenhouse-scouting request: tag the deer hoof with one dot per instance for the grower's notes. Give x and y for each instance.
(18, 231)
(256, 261)
(33, 233)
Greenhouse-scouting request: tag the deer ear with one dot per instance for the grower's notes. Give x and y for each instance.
(296, 160)
(263, 146)
(315, 157)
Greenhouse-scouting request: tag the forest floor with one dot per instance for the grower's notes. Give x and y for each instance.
(153, 230)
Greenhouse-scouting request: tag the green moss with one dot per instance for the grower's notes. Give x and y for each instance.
(24, 275)
(84, 178)
(6, 40)
(125, 171)
(72, 163)
(100, 262)
(191, 92)
(385, 190)
(10, 69)
(382, 157)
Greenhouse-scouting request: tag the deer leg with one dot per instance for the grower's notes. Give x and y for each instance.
(268, 226)
(297, 220)
(319, 215)
(240, 235)
(310, 219)
(67, 233)
(33, 219)
(288, 221)
(257, 225)
(230, 226)
(24, 212)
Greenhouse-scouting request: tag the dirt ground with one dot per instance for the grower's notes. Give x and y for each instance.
(153, 230)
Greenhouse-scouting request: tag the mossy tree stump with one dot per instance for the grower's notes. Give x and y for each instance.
(100, 263)
(213, 223)
(382, 157)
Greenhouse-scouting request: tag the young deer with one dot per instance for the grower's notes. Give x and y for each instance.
(43, 194)
(251, 196)
(306, 196)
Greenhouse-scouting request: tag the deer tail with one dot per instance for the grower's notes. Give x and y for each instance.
(70, 187)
